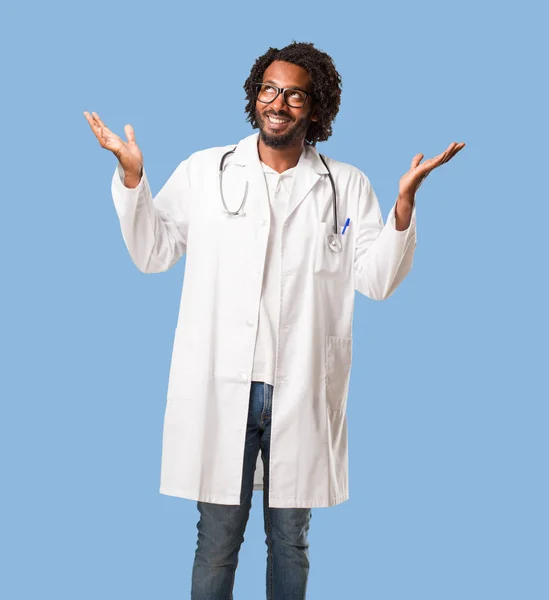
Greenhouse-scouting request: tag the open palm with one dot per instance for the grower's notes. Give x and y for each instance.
(410, 181)
(128, 153)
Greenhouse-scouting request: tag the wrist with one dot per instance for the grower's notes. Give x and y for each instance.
(405, 201)
(131, 180)
(131, 176)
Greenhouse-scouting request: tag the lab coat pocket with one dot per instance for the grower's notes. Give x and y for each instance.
(339, 352)
(327, 263)
(181, 378)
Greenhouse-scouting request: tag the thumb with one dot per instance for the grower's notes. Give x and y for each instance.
(416, 160)
(130, 134)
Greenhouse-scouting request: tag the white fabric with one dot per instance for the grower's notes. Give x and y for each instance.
(278, 189)
(213, 353)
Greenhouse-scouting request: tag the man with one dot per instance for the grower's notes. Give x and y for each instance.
(276, 248)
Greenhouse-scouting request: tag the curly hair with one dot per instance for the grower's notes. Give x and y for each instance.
(325, 79)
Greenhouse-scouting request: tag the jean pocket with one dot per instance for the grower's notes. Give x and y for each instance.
(339, 351)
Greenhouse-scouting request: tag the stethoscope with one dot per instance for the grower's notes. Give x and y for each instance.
(333, 241)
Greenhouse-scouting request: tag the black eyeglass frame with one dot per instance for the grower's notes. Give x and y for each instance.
(283, 92)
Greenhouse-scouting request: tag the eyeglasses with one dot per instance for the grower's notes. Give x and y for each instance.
(294, 97)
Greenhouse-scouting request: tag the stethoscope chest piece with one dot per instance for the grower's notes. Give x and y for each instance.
(334, 243)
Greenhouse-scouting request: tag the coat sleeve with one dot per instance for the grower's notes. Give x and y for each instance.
(154, 229)
(383, 255)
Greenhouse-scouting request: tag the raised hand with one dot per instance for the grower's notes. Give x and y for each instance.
(410, 181)
(128, 153)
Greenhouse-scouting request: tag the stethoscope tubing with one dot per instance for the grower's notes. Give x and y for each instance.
(230, 213)
(333, 191)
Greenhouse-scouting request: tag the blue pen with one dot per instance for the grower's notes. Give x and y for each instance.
(346, 225)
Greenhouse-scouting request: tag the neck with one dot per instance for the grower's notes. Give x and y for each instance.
(280, 159)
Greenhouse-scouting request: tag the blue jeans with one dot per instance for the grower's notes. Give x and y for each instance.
(221, 527)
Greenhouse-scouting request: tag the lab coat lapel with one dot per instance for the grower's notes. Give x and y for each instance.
(308, 171)
(246, 155)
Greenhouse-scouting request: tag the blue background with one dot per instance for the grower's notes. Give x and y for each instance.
(448, 406)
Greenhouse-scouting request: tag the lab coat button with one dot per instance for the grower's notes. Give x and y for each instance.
(263, 222)
(249, 322)
(243, 377)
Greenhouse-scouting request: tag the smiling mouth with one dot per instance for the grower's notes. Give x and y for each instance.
(277, 123)
(277, 120)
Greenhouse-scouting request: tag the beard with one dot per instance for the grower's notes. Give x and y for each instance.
(296, 130)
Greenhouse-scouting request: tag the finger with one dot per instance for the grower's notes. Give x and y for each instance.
(104, 128)
(456, 148)
(98, 119)
(416, 160)
(92, 123)
(441, 158)
(459, 147)
(89, 119)
(435, 162)
(448, 153)
(130, 133)
(430, 164)
(444, 155)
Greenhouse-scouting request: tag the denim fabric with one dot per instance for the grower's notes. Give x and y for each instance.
(221, 527)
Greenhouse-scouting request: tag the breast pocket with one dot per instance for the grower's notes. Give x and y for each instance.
(327, 263)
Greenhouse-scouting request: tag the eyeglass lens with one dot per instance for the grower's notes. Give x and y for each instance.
(293, 98)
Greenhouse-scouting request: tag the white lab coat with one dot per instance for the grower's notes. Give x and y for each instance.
(209, 381)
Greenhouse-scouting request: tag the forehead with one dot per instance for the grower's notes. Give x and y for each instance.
(285, 74)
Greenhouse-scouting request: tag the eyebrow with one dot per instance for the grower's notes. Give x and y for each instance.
(292, 87)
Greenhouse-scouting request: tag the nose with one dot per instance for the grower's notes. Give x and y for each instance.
(279, 103)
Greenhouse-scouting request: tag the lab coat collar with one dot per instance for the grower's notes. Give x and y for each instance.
(246, 153)
(307, 172)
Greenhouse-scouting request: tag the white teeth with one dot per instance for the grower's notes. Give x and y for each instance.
(274, 120)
